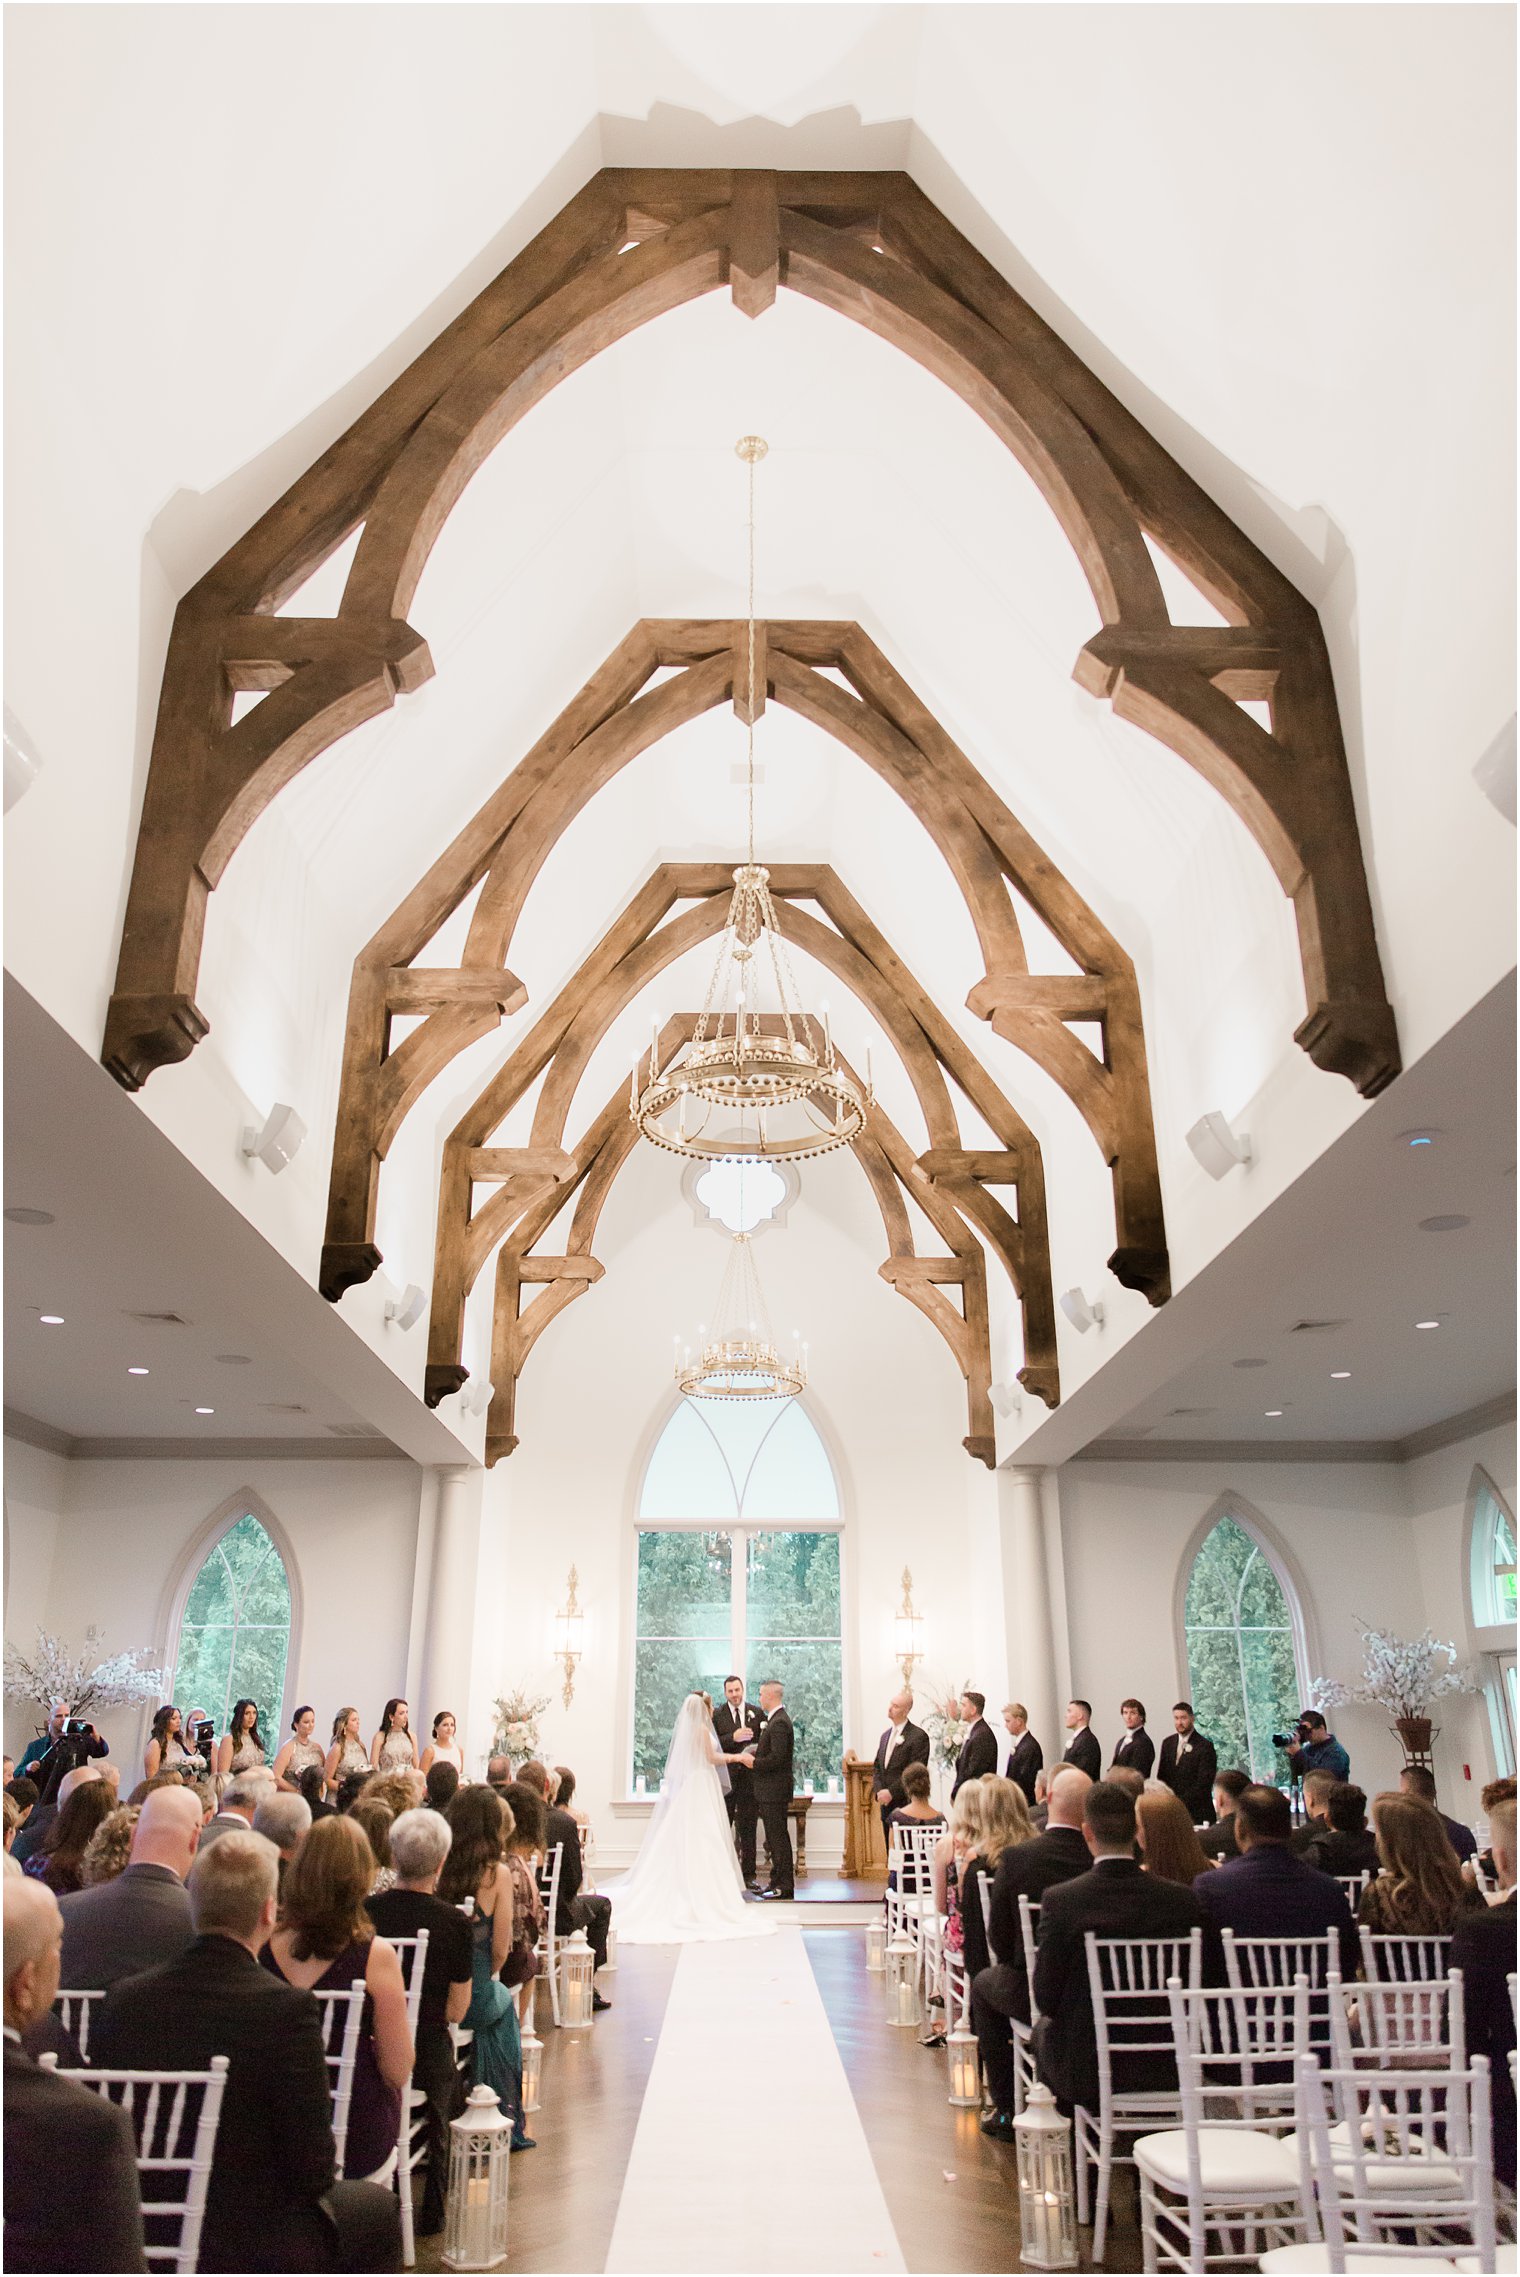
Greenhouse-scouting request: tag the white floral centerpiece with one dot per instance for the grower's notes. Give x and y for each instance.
(1405, 1675)
(516, 1734)
(81, 1679)
(942, 1721)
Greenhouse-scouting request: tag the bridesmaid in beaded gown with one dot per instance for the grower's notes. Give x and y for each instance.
(242, 1747)
(300, 1752)
(347, 1751)
(393, 1747)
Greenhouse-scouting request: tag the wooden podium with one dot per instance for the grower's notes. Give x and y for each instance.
(865, 1847)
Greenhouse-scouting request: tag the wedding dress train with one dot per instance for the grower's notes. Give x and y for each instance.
(684, 1887)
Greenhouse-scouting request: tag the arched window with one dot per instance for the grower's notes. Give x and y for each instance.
(1491, 1576)
(234, 1634)
(738, 1572)
(1243, 1672)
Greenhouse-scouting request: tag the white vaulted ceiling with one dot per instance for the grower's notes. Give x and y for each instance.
(229, 228)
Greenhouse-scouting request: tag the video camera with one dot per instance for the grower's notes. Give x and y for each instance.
(1298, 1737)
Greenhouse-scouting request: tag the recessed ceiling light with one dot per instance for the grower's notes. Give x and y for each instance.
(137, 1371)
(205, 1411)
(51, 1319)
(1427, 1324)
(1339, 1375)
(20, 1216)
(1274, 1411)
(1449, 1224)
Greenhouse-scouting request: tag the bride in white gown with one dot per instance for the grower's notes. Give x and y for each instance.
(684, 1887)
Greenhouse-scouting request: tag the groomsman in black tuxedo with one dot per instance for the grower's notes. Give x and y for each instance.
(1083, 1748)
(1188, 1765)
(1136, 1750)
(738, 1725)
(979, 1748)
(770, 1762)
(1026, 1759)
(903, 1742)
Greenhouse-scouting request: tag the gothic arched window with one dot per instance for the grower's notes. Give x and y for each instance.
(234, 1634)
(1491, 1576)
(1243, 1672)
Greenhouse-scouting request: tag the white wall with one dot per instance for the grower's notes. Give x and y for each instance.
(120, 1543)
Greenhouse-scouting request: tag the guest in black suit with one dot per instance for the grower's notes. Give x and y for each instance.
(737, 1724)
(1116, 1899)
(1317, 1789)
(1483, 1948)
(1082, 1749)
(903, 1742)
(1346, 1844)
(71, 2195)
(1026, 1758)
(119, 1928)
(272, 2202)
(1136, 1751)
(1266, 1891)
(770, 1761)
(1218, 1840)
(1188, 1765)
(979, 1749)
(1001, 1992)
(578, 1908)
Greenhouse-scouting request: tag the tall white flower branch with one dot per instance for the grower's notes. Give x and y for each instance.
(1405, 1675)
(81, 1679)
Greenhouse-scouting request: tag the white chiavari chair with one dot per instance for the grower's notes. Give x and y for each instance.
(74, 2011)
(1023, 2034)
(175, 2115)
(548, 1890)
(1354, 1886)
(1409, 1958)
(411, 2139)
(1385, 2021)
(1128, 1978)
(342, 2019)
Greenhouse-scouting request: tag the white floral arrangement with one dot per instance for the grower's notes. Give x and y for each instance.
(942, 1721)
(1402, 1674)
(81, 1679)
(516, 1735)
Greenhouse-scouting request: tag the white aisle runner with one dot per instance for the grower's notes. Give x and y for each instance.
(746, 2054)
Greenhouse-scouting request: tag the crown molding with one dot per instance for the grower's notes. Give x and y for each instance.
(33, 1433)
(1428, 1441)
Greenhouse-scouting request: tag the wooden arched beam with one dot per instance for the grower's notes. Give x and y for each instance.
(628, 247)
(532, 1290)
(503, 848)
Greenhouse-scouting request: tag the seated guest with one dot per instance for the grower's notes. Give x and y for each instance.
(145, 1787)
(1497, 1791)
(954, 1846)
(1131, 1781)
(1003, 1827)
(523, 1854)
(241, 1797)
(1001, 1991)
(564, 1800)
(324, 1941)
(57, 1859)
(1266, 1891)
(1420, 1891)
(1136, 1750)
(1117, 1900)
(1344, 1844)
(7, 1770)
(12, 1811)
(24, 1793)
(474, 1869)
(1218, 1840)
(313, 1788)
(420, 1842)
(918, 1808)
(272, 2203)
(142, 1917)
(499, 1773)
(1038, 1809)
(1483, 1948)
(300, 1753)
(1415, 1780)
(60, 1786)
(108, 1849)
(1169, 1846)
(442, 1786)
(578, 1909)
(350, 1787)
(397, 1791)
(284, 1820)
(71, 2193)
(1316, 1791)
(371, 1814)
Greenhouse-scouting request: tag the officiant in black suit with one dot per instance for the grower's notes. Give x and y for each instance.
(1136, 1750)
(903, 1742)
(979, 1748)
(769, 1762)
(738, 1723)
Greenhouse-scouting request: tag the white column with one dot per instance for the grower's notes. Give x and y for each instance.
(449, 1652)
(1031, 1630)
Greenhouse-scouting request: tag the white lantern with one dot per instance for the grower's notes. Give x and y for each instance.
(575, 1996)
(876, 1946)
(609, 1966)
(532, 2068)
(480, 2160)
(1047, 2210)
(902, 1981)
(965, 2070)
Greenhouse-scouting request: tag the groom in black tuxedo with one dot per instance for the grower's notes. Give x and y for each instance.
(738, 1724)
(770, 1762)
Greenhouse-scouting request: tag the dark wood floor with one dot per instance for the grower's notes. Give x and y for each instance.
(950, 2192)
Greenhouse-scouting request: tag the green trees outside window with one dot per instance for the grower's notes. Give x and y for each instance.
(1242, 1666)
(234, 1637)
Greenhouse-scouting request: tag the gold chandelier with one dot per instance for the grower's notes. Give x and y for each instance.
(741, 1359)
(784, 1083)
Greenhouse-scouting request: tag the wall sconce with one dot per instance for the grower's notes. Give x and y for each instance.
(909, 1628)
(569, 1636)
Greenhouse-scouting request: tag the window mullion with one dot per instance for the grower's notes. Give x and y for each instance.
(738, 1602)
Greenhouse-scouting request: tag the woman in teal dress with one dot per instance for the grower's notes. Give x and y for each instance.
(481, 1823)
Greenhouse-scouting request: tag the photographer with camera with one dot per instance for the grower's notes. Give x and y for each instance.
(1313, 1746)
(83, 1743)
